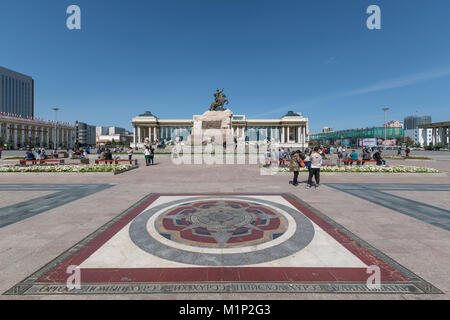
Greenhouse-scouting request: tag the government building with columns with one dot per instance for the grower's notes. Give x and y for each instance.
(16, 132)
(289, 131)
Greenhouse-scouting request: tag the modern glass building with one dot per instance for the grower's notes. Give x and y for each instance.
(16, 94)
(413, 122)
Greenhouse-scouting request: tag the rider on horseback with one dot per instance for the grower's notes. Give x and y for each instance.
(219, 101)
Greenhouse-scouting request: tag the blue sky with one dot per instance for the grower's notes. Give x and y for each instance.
(168, 57)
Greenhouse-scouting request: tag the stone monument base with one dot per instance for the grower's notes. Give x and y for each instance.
(207, 125)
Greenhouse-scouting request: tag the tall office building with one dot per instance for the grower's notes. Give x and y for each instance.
(413, 122)
(418, 135)
(16, 94)
(85, 135)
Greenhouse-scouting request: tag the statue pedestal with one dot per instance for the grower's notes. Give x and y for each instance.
(217, 120)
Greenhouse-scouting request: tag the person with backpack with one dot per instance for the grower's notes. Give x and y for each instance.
(407, 151)
(297, 162)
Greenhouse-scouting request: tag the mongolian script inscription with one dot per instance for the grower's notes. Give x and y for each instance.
(211, 124)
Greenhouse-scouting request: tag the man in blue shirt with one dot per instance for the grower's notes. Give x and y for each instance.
(354, 157)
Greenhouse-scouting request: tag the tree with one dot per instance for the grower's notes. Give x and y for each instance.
(409, 142)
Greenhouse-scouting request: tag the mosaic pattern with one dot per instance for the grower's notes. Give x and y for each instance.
(219, 220)
(221, 224)
(133, 254)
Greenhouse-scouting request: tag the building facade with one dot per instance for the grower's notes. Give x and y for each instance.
(358, 137)
(16, 94)
(423, 137)
(17, 132)
(290, 130)
(105, 131)
(394, 124)
(413, 122)
(85, 134)
(440, 132)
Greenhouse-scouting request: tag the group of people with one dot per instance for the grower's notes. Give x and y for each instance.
(407, 151)
(38, 154)
(149, 154)
(311, 159)
(105, 154)
(353, 157)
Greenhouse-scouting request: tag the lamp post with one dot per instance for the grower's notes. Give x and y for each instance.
(385, 109)
(56, 136)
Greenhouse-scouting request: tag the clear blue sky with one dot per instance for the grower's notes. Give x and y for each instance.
(168, 57)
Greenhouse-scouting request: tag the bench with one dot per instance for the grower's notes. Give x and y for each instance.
(40, 162)
(358, 162)
(98, 161)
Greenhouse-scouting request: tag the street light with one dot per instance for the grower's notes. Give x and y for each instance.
(56, 142)
(385, 109)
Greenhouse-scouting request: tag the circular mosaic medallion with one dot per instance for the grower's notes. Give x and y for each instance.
(221, 223)
(222, 231)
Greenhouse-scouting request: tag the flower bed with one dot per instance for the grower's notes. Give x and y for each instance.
(368, 169)
(67, 168)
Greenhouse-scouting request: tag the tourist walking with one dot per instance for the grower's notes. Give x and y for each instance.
(297, 162)
(316, 164)
(147, 155)
(407, 151)
(280, 157)
(130, 153)
(152, 155)
(399, 151)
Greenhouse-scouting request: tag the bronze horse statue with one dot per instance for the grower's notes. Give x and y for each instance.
(220, 100)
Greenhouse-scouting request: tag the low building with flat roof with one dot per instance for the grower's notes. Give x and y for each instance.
(440, 132)
(356, 137)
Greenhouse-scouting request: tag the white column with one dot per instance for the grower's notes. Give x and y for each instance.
(304, 136)
(134, 135)
(282, 134)
(154, 134)
(299, 134)
(139, 134)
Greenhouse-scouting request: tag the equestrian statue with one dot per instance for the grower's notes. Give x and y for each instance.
(220, 100)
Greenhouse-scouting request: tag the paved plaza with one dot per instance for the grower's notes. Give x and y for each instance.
(225, 232)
